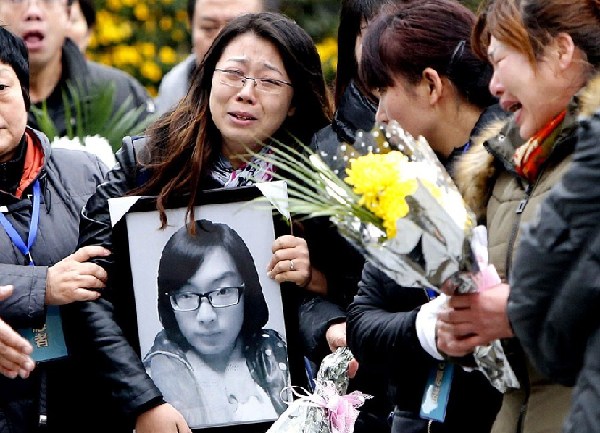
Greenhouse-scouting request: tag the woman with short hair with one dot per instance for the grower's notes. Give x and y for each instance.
(544, 53)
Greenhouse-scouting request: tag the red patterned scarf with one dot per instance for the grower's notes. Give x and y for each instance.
(530, 156)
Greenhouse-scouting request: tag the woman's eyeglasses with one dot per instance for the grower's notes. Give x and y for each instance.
(233, 78)
(219, 298)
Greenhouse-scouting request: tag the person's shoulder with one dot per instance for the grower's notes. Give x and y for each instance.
(80, 171)
(589, 99)
(180, 71)
(174, 85)
(62, 156)
(270, 338)
(324, 139)
(73, 160)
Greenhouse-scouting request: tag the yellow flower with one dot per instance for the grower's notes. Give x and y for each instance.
(181, 15)
(166, 23)
(147, 49)
(114, 5)
(167, 55)
(327, 49)
(378, 180)
(178, 35)
(151, 71)
(141, 12)
(126, 55)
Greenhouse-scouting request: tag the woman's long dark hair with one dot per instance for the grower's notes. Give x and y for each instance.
(352, 14)
(182, 143)
(181, 258)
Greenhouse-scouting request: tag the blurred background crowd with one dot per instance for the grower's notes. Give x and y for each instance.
(146, 38)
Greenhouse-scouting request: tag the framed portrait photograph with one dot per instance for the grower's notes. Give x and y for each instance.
(210, 321)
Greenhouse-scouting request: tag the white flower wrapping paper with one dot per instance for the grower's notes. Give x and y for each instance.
(95, 145)
(329, 409)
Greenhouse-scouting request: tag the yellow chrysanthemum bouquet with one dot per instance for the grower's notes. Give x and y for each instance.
(396, 204)
(394, 201)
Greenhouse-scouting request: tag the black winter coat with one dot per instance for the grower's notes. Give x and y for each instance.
(382, 333)
(554, 302)
(342, 266)
(77, 69)
(343, 269)
(60, 389)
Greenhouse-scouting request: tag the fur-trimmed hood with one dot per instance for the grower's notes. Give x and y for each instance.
(493, 148)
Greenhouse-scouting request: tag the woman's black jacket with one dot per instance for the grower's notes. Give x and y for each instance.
(382, 332)
(108, 328)
(342, 266)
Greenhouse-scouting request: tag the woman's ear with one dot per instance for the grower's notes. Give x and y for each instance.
(291, 111)
(434, 83)
(565, 47)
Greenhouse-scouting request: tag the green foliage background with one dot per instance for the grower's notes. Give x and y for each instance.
(147, 38)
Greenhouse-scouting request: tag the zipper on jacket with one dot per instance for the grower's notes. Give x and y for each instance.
(519, 211)
(515, 228)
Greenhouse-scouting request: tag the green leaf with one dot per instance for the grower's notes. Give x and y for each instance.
(314, 189)
(91, 107)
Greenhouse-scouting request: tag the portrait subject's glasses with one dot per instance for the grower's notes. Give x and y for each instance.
(219, 298)
(44, 3)
(233, 78)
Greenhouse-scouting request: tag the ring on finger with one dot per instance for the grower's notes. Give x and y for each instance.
(292, 267)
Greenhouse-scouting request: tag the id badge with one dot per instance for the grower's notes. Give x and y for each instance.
(49, 341)
(437, 392)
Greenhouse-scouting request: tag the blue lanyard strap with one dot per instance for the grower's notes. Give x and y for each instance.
(33, 226)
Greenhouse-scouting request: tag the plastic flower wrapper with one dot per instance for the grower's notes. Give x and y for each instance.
(329, 409)
(490, 359)
(399, 207)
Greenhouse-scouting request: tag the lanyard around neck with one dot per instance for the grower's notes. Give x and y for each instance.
(33, 226)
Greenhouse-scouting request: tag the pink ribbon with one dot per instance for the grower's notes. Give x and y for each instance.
(340, 409)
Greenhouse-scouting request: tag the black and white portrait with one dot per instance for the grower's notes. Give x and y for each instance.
(210, 321)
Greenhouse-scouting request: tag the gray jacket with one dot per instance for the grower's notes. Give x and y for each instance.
(174, 85)
(67, 178)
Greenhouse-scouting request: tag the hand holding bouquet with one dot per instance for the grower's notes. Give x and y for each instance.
(328, 409)
(399, 207)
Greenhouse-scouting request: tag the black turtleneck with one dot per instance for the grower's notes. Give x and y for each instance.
(12, 171)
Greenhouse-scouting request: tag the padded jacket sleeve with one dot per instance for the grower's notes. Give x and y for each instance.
(102, 340)
(381, 321)
(341, 264)
(551, 265)
(26, 306)
(317, 314)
